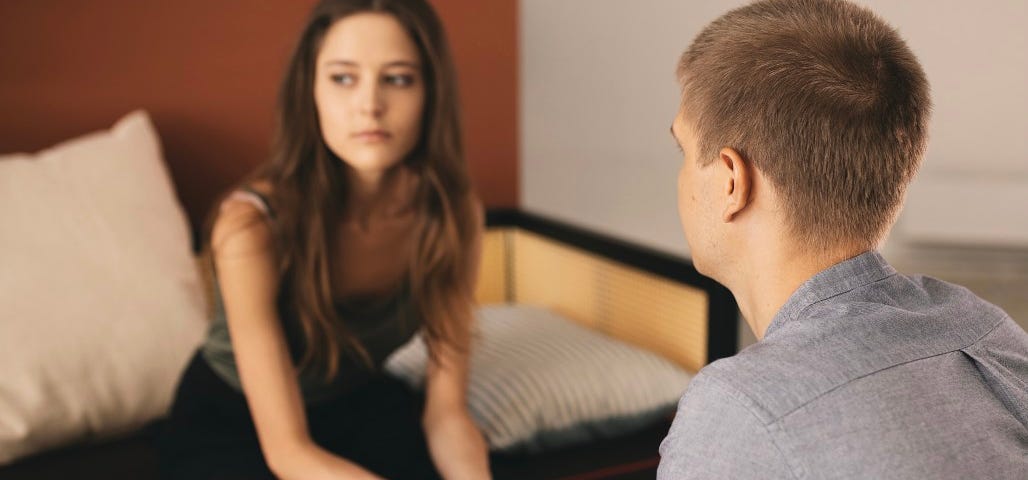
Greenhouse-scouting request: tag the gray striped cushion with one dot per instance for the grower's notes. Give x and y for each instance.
(539, 381)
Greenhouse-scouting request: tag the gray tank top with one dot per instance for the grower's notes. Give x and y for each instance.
(382, 326)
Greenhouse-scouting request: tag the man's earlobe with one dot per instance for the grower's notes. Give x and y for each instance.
(737, 184)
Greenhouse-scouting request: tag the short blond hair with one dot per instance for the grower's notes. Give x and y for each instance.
(821, 96)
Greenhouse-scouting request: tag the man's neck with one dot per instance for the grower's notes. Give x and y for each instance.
(774, 275)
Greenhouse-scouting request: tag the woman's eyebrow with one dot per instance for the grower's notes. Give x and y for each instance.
(396, 63)
(402, 63)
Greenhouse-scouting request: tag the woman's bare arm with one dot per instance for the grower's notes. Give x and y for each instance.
(455, 443)
(246, 265)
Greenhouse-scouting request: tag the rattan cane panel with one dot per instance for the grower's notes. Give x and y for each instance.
(492, 271)
(655, 313)
(548, 275)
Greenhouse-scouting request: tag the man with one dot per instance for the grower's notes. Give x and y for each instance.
(801, 123)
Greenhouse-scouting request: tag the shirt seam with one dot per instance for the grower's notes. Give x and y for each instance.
(737, 397)
(826, 392)
(825, 299)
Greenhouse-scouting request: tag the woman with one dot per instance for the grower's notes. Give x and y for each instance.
(361, 230)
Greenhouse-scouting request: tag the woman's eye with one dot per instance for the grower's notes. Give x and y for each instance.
(343, 79)
(399, 80)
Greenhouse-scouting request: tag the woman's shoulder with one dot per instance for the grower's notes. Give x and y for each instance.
(242, 224)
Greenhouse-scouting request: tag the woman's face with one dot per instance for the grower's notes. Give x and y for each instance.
(369, 91)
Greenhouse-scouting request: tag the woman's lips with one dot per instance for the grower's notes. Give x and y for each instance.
(372, 136)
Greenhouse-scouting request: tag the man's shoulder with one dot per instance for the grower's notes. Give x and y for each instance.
(716, 386)
(859, 372)
(852, 336)
(719, 433)
(767, 379)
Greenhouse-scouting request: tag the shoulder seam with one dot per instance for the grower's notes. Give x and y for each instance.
(843, 292)
(947, 352)
(988, 332)
(736, 395)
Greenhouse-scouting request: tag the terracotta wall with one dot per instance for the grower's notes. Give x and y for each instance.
(208, 71)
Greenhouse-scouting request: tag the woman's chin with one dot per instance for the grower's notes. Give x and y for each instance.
(371, 164)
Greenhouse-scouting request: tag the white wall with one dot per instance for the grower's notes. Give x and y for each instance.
(598, 94)
(973, 188)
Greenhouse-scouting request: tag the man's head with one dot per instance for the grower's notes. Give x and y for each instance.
(820, 98)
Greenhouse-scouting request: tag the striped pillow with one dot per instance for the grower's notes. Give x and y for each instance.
(539, 381)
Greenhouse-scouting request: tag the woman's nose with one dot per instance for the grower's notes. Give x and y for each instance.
(370, 100)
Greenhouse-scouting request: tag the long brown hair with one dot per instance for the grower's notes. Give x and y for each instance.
(309, 194)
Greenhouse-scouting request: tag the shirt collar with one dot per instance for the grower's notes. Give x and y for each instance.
(864, 269)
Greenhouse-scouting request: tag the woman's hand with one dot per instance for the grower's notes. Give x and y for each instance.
(309, 461)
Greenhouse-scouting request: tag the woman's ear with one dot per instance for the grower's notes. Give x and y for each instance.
(738, 182)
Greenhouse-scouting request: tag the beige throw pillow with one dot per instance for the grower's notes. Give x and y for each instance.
(100, 300)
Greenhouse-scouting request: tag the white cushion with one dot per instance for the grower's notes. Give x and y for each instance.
(101, 300)
(539, 381)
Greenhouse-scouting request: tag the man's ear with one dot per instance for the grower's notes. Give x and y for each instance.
(738, 182)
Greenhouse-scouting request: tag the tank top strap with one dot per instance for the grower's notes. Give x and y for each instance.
(255, 198)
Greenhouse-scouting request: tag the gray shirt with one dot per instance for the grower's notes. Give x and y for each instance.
(863, 373)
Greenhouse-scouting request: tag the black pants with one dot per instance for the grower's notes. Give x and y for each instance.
(210, 434)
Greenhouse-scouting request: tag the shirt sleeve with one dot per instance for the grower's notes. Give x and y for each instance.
(715, 436)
